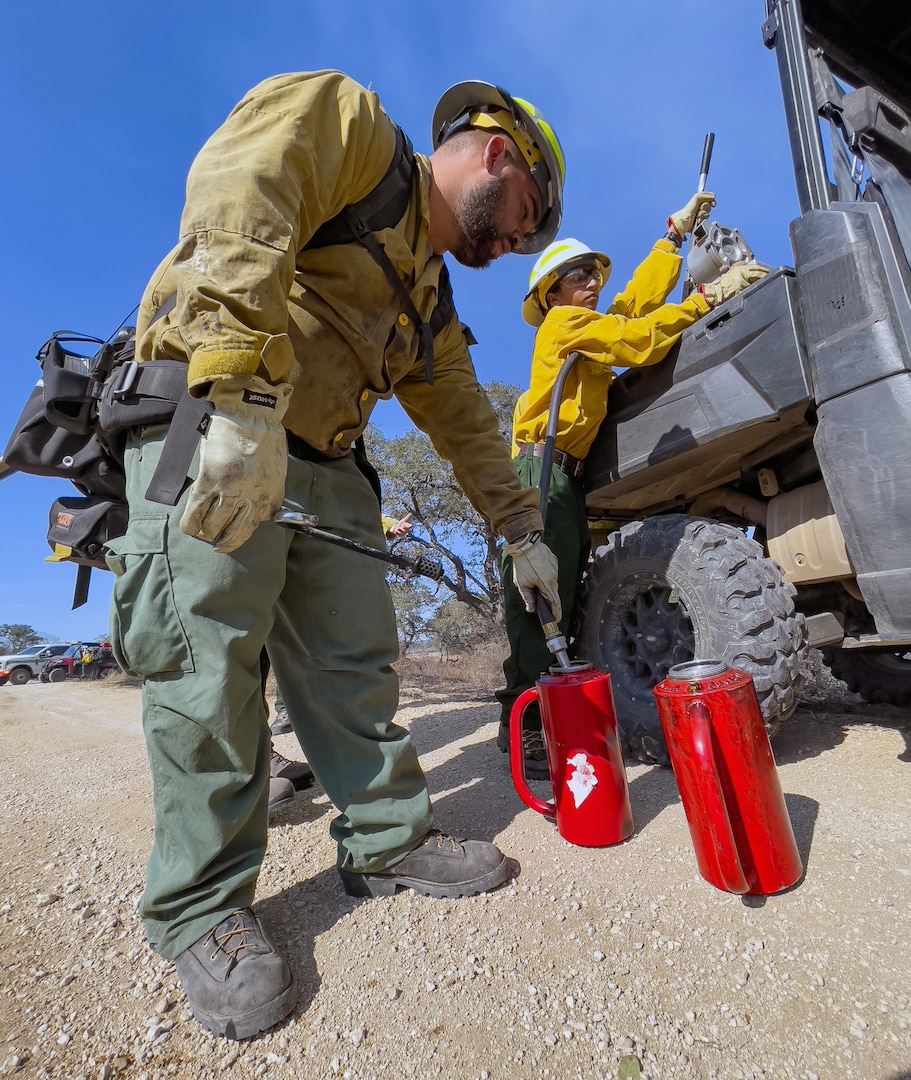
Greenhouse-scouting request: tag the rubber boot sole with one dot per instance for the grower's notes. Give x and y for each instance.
(386, 884)
(251, 1023)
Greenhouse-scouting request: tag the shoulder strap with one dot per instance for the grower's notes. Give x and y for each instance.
(382, 208)
(442, 314)
(364, 236)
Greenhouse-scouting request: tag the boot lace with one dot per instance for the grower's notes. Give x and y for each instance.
(232, 936)
(440, 839)
(533, 745)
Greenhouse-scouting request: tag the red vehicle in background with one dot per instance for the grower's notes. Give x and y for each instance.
(69, 665)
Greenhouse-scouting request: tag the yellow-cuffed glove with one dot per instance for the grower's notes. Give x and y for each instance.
(534, 566)
(243, 460)
(733, 281)
(693, 214)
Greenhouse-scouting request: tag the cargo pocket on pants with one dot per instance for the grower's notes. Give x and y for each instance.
(147, 635)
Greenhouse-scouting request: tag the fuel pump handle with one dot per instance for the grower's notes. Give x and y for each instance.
(706, 160)
(554, 638)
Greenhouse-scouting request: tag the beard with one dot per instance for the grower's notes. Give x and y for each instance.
(478, 217)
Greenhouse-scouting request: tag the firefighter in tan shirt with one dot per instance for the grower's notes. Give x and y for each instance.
(293, 334)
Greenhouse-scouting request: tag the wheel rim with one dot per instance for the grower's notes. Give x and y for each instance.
(653, 630)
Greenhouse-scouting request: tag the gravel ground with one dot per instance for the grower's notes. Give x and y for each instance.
(589, 958)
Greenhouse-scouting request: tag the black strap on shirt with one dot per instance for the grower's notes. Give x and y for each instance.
(383, 208)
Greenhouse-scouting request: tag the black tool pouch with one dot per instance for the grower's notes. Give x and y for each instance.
(57, 432)
(72, 382)
(74, 426)
(37, 446)
(80, 526)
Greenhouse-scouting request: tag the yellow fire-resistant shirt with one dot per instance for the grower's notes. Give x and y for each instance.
(638, 329)
(291, 155)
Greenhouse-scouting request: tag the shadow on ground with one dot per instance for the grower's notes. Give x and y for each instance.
(817, 727)
(296, 917)
(472, 791)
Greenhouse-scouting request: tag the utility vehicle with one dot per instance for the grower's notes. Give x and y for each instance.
(754, 489)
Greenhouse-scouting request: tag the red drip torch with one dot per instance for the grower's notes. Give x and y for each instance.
(726, 775)
(590, 795)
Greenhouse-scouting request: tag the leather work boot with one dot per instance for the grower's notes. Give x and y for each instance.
(439, 866)
(236, 982)
(536, 767)
(281, 725)
(298, 772)
(280, 791)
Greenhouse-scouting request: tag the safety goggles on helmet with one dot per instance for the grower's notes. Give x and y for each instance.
(490, 108)
(556, 263)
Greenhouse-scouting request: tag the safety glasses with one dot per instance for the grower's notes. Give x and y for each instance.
(582, 275)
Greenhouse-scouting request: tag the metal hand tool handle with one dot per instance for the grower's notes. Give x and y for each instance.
(306, 523)
(706, 160)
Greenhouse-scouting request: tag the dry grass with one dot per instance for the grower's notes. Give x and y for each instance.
(120, 678)
(479, 669)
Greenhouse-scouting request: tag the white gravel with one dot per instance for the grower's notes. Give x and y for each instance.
(588, 957)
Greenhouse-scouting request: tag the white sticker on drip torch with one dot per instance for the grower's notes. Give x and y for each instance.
(582, 780)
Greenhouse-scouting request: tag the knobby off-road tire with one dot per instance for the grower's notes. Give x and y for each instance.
(673, 588)
(880, 676)
(57, 674)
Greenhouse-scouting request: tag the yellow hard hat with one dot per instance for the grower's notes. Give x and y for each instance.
(555, 261)
(483, 105)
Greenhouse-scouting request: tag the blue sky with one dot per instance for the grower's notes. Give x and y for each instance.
(106, 104)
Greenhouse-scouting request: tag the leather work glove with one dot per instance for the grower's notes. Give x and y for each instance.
(733, 281)
(693, 214)
(534, 566)
(243, 460)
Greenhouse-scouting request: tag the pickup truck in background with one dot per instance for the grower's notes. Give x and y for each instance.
(19, 667)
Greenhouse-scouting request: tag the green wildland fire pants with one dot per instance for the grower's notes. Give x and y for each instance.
(193, 622)
(566, 534)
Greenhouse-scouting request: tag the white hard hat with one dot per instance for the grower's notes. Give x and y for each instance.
(555, 261)
(483, 105)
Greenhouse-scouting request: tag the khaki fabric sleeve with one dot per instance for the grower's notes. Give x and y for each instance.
(291, 155)
(457, 416)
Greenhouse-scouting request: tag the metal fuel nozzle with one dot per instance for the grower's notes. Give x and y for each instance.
(553, 636)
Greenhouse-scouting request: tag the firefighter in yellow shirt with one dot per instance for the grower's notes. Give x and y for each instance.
(639, 328)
